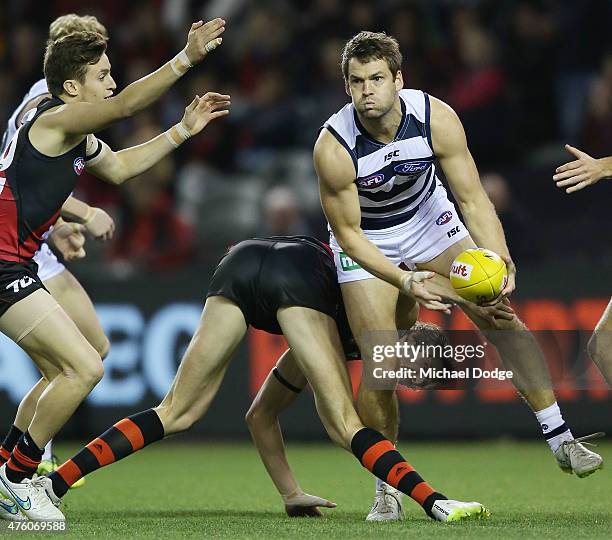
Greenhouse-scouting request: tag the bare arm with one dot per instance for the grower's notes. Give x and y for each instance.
(94, 220)
(82, 118)
(450, 147)
(117, 167)
(583, 171)
(262, 419)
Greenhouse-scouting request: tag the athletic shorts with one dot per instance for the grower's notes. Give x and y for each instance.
(263, 275)
(17, 280)
(434, 228)
(48, 265)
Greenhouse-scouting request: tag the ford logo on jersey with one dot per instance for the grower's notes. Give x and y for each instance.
(79, 165)
(444, 218)
(412, 168)
(371, 181)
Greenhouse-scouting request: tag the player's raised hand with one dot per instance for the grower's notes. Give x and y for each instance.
(305, 505)
(68, 239)
(99, 224)
(413, 285)
(582, 172)
(204, 109)
(500, 310)
(203, 38)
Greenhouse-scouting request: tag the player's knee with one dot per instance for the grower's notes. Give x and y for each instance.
(91, 370)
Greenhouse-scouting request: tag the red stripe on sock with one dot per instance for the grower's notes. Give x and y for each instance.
(14, 466)
(132, 432)
(397, 472)
(372, 454)
(4, 454)
(102, 452)
(421, 492)
(70, 472)
(23, 459)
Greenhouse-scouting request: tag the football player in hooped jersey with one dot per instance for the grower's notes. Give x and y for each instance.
(38, 171)
(386, 206)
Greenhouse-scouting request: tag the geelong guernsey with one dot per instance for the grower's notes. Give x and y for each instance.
(393, 180)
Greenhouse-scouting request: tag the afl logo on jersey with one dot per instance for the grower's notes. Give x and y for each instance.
(372, 181)
(444, 218)
(79, 165)
(412, 168)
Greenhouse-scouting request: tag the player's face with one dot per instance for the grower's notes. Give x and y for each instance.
(98, 83)
(372, 87)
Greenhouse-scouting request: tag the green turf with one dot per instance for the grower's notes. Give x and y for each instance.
(210, 490)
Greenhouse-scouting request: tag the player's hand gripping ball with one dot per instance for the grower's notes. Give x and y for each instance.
(478, 275)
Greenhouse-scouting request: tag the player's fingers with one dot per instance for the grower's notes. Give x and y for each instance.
(573, 180)
(573, 150)
(196, 25)
(438, 306)
(303, 511)
(213, 44)
(568, 166)
(577, 187)
(218, 114)
(567, 174)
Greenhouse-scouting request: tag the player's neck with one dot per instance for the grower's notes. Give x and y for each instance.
(384, 128)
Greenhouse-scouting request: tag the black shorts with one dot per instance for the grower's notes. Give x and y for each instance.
(264, 274)
(17, 280)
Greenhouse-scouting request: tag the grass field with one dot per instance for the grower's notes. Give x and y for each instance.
(175, 490)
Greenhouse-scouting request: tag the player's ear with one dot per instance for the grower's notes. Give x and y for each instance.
(71, 88)
(399, 80)
(346, 88)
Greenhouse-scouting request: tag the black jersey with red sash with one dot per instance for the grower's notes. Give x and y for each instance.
(33, 188)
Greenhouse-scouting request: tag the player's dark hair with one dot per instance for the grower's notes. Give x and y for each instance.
(367, 46)
(68, 57)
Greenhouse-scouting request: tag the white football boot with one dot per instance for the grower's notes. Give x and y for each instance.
(574, 457)
(31, 497)
(9, 511)
(387, 505)
(449, 511)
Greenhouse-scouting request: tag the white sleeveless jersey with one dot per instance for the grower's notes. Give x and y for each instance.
(38, 89)
(394, 179)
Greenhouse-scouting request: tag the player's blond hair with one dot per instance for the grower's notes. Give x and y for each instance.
(70, 23)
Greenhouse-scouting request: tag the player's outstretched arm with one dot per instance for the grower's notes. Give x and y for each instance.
(117, 167)
(273, 398)
(94, 220)
(82, 118)
(584, 171)
(450, 147)
(340, 202)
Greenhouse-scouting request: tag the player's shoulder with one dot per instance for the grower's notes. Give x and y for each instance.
(38, 89)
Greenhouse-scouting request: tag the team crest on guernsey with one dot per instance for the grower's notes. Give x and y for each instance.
(79, 165)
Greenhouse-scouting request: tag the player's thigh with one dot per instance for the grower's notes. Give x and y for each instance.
(442, 263)
(43, 329)
(222, 327)
(276, 395)
(314, 340)
(406, 312)
(75, 301)
(370, 306)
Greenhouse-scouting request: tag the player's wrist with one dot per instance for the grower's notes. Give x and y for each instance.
(605, 167)
(291, 497)
(177, 134)
(181, 63)
(406, 280)
(91, 214)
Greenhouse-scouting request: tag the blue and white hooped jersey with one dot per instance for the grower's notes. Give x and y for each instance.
(394, 179)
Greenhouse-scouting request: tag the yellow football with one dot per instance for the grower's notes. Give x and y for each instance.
(478, 275)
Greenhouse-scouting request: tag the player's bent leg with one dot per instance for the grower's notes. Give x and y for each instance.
(600, 344)
(75, 301)
(315, 343)
(278, 392)
(221, 328)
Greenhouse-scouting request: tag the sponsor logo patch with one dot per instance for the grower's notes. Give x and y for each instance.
(79, 165)
(444, 218)
(372, 181)
(412, 168)
(347, 263)
(462, 270)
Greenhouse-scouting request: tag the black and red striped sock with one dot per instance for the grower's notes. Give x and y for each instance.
(9, 442)
(25, 459)
(124, 438)
(380, 457)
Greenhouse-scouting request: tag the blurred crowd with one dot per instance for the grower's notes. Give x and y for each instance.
(524, 76)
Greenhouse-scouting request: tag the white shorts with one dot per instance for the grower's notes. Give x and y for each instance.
(434, 228)
(48, 265)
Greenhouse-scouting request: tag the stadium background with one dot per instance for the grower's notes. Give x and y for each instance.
(525, 77)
